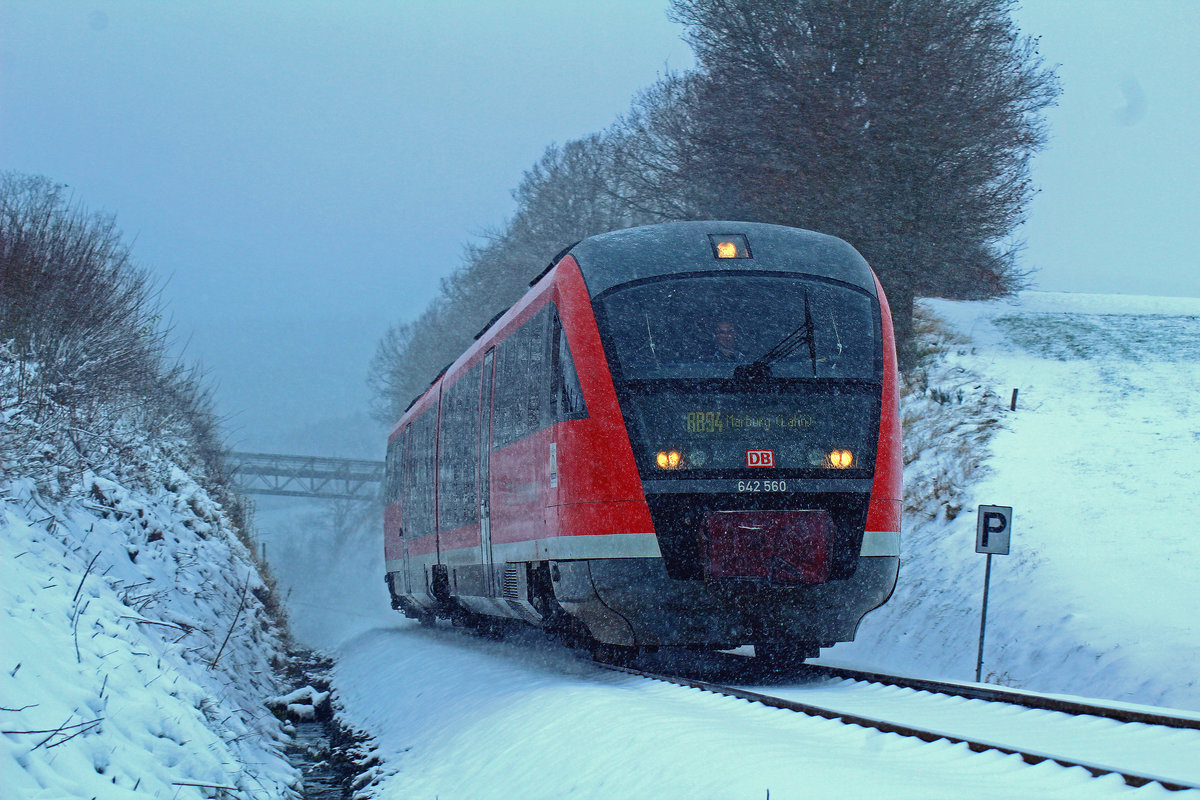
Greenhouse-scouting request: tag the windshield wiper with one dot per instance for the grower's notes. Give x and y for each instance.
(650, 336)
(805, 333)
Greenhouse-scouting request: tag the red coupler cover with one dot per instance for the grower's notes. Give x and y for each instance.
(780, 547)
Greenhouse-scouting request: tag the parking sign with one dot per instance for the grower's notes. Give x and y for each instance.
(993, 530)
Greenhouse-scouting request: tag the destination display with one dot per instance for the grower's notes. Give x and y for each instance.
(717, 422)
(704, 431)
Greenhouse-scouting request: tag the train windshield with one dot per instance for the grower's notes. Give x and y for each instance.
(721, 373)
(707, 326)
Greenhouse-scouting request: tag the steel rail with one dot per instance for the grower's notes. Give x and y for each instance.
(998, 695)
(924, 734)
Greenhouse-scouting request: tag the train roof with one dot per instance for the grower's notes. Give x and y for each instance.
(627, 255)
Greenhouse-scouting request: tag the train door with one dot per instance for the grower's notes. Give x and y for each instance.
(404, 477)
(485, 485)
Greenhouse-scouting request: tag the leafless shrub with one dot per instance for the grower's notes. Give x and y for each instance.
(71, 300)
(948, 416)
(83, 348)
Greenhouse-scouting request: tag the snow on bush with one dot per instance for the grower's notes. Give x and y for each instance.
(137, 643)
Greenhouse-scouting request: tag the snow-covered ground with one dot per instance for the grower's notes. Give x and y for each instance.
(457, 717)
(1099, 461)
(135, 647)
(136, 652)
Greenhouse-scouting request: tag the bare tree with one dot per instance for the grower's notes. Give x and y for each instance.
(658, 170)
(569, 194)
(905, 126)
(389, 377)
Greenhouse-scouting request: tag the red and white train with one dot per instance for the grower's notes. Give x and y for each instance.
(682, 435)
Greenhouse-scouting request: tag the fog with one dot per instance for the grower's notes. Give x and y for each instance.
(302, 175)
(1120, 180)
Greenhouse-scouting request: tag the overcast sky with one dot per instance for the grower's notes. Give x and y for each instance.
(302, 174)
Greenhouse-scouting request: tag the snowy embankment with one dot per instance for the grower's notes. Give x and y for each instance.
(135, 647)
(1099, 461)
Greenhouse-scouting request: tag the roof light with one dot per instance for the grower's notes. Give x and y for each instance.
(729, 245)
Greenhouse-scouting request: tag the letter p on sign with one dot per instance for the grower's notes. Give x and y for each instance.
(993, 530)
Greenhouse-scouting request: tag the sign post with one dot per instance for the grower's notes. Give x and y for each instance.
(993, 530)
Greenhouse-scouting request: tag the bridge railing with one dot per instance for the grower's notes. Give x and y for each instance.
(306, 476)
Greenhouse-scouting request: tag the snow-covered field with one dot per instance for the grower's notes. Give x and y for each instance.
(1099, 461)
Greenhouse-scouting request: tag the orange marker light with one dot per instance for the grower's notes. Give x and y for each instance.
(729, 245)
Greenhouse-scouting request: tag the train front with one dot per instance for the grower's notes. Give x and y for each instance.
(755, 370)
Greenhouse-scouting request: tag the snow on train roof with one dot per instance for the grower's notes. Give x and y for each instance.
(627, 255)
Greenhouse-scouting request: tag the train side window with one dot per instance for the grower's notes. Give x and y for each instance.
(389, 475)
(458, 502)
(566, 392)
(522, 378)
(534, 370)
(504, 422)
(403, 474)
(406, 492)
(394, 471)
(419, 508)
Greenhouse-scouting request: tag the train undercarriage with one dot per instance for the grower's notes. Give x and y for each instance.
(617, 607)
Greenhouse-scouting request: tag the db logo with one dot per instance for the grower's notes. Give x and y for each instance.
(760, 458)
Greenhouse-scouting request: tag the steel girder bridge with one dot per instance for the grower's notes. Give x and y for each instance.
(306, 476)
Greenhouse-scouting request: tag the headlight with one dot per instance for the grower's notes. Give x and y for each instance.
(668, 459)
(840, 459)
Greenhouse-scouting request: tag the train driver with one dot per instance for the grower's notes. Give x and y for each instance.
(725, 343)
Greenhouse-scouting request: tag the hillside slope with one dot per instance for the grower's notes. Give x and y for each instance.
(1099, 461)
(135, 648)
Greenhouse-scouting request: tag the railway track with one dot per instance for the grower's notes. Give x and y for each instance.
(1025, 699)
(1139, 746)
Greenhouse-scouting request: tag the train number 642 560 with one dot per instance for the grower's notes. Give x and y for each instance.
(762, 486)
